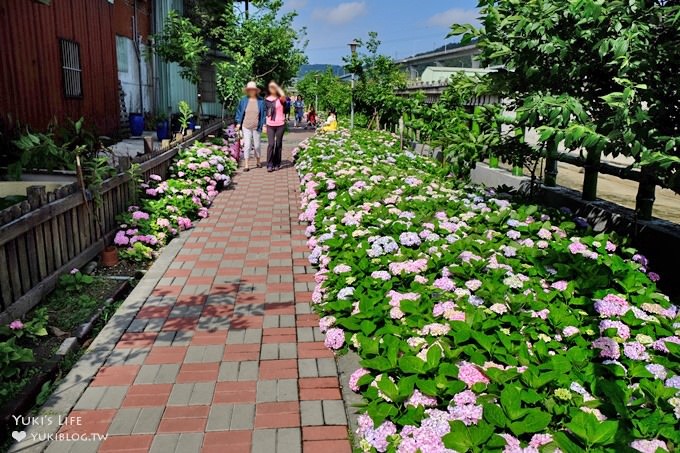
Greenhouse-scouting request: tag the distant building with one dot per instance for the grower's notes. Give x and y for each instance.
(458, 57)
(435, 79)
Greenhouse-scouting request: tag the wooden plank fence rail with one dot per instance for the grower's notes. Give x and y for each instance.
(58, 233)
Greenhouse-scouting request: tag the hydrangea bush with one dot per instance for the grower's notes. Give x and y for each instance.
(169, 206)
(481, 324)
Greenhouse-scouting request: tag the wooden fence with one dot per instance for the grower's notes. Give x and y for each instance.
(61, 231)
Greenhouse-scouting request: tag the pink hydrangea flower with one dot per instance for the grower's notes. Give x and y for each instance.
(473, 285)
(559, 285)
(140, 215)
(335, 338)
(609, 349)
(577, 247)
(121, 239)
(622, 330)
(465, 397)
(326, 323)
(470, 374)
(469, 414)
(649, 446)
(354, 378)
(435, 329)
(184, 223)
(445, 284)
(419, 399)
(538, 440)
(635, 351)
(611, 305)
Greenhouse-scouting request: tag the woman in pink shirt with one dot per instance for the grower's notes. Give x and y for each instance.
(276, 123)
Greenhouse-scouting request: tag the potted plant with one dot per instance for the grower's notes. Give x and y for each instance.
(162, 127)
(136, 124)
(185, 116)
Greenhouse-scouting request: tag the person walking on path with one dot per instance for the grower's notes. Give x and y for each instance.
(286, 107)
(250, 118)
(276, 124)
(299, 105)
(311, 118)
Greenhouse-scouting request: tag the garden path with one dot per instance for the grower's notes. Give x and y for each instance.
(225, 355)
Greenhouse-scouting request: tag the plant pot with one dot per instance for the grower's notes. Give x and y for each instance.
(136, 124)
(493, 161)
(517, 171)
(163, 130)
(109, 256)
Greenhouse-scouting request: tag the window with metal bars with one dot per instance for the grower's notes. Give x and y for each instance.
(70, 68)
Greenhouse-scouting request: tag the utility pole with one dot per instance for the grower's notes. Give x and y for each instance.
(247, 8)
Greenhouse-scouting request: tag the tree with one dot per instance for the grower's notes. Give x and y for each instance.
(584, 73)
(265, 45)
(182, 42)
(331, 91)
(379, 80)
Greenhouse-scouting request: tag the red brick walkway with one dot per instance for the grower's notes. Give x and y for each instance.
(225, 355)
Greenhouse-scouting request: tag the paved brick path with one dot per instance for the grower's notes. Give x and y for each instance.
(225, 356)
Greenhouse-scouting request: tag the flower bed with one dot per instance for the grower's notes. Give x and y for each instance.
(482, 325)
(171, 205)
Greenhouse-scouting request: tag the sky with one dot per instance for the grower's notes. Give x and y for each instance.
(405, 27)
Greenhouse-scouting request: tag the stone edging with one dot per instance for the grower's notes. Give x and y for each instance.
(69, 391)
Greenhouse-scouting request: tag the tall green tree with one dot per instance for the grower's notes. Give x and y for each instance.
(263, 45)
(182, 42)
(330, 90)
(594, 74)
(378, 81)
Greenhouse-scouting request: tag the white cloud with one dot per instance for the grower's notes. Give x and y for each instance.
(454, 16)
(342, 13)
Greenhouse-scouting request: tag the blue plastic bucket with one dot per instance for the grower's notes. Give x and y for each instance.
(163, 130)
(136, 124)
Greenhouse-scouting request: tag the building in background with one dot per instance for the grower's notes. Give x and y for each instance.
(57, 62)
(455, 56)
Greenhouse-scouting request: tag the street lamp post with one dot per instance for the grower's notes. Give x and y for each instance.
(353, 50)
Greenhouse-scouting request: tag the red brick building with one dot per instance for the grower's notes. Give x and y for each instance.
(58, 61)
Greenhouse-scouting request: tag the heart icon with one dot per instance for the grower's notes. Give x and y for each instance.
(19, 435)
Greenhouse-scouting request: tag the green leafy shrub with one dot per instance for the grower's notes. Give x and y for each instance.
(482, 324)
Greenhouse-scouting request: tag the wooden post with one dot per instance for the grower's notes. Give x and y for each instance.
(644, 201)
(591, 175)
(124, 163)
(401, 132)
(36, 196)
(550, 177)
(148, 145)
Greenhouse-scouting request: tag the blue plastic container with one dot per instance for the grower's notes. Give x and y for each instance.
(192, 123)
(136, 124)
(163, 130)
